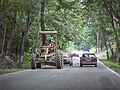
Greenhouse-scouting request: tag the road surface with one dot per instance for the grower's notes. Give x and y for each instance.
(68, 78)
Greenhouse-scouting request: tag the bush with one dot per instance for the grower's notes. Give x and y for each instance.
(26, 61)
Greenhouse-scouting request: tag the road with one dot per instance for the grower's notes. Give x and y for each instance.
(68, 78)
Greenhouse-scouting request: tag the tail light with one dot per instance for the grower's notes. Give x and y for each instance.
(94, 59)
(82, 59)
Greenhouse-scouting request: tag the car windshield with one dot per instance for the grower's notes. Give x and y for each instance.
(89, 55)
(66, 54)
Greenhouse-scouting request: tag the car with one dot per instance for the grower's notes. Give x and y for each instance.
(88, 59)
(75, 55)
(66, 58)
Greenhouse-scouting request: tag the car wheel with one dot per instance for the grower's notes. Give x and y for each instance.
(80, 65)
(33, 64)
(95, 65)
(70, 64)
(38, 65)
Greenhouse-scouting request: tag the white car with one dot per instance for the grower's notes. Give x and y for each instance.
(66, 58)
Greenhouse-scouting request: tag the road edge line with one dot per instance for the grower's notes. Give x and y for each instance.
(110, 69)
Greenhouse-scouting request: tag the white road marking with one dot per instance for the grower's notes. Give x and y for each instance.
(110, 69)
(53, 77)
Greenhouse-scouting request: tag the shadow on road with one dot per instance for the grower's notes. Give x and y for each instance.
(48, 67)
(88, 66)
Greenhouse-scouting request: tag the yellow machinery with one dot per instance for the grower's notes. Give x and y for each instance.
(47, 54)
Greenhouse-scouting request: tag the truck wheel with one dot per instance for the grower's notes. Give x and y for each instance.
(33, 65)
(38, 65)
(71, 64)
(58, 62)
(61, 59)
(95, 65)
(80, 65)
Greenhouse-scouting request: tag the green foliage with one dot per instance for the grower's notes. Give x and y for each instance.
(26, 61)
(77, 24)
(112, 64)
(26, 58)
(5, 71)
(26, 65)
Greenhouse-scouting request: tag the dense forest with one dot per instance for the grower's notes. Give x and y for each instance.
(81, 24)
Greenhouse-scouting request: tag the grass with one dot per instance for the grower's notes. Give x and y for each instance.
(102, 58)
(110, 63)
(26, 65)
(4, 71)
(23, 66)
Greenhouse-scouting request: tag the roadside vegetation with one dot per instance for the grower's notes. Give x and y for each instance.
(111, 63)
(81, 25)
(4, 71)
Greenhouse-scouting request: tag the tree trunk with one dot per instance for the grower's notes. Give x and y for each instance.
(20, 30)
(116, 38)
(110, 9)
(3, 42)
(111, 49)
(97, 38)
(12, 35)
(23, 39)
(104, 37)
(118, 46)
(101, 41)
(115, 18)
(105, 43)
(2, 28)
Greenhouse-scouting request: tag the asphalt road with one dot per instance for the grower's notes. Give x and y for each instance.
(68, 78)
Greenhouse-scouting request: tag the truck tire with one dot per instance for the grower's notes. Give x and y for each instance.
(71, 64)
(33, 65)
(95, 65)
(58, 62)
(80, 65)
(61, 59)
(38, 65)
